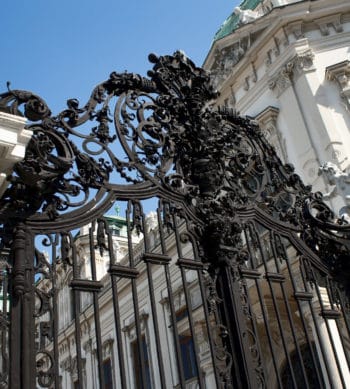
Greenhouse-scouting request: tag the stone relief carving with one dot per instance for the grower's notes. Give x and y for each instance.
(151, 221)
(310, 167)
(226, 59)
(335, 153)
(246, 15)
(340, 186)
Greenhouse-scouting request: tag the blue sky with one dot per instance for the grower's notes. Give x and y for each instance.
(62, 49)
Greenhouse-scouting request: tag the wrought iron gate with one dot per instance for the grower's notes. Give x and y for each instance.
(174, 250)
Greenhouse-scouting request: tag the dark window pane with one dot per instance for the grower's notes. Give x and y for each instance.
(137, 366)
(107, 374)
(188, 357)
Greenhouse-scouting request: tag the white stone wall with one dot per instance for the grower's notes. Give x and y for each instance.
(296, 62)
(13, 141)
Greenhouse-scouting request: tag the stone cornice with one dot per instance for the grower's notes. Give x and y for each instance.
(278, 29)
(320, 12)
(268, 115)
(327, 22)
(339, 72)
(267, 120)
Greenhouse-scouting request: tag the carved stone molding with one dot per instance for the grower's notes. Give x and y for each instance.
(107, 348)
(87, 346)
(340, 73)
(130, 329)
(326, 23)
(299, 64)
(310, 169)
(267, 120)
(296, 29)
(13, 141)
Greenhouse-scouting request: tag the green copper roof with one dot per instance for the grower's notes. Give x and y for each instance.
(231, 23)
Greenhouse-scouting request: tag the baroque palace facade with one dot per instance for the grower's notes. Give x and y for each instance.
(286, 64)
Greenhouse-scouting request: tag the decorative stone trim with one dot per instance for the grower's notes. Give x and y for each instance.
(277, 49)
(246, 84)
(296, 29)
(130, 329)
(254, 73)
(334, 21)
(13, 141)
(107, 348)
(295, 67)
(267, 120)
(340, 73)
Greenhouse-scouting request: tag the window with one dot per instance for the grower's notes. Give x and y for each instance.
(188, 357)
(107, 373)
(115, 231)
(137, 365)
(187, 348)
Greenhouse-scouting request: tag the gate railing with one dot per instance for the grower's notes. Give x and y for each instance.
(242, 279)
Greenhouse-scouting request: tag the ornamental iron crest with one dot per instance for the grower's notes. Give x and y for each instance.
(139, 137)
(175, 142)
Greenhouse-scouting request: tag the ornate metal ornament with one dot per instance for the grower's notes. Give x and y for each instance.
(161, 136)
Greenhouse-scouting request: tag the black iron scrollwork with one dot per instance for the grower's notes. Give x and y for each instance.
(175, 142)
(137, 137)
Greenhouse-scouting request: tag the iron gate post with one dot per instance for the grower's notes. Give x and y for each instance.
(22, 326)
(243, 374)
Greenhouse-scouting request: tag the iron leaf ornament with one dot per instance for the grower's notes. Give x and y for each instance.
(178, 146)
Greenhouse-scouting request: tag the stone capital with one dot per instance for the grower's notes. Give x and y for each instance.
(291, 70)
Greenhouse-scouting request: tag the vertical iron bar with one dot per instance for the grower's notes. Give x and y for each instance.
(116, 312)
(5, 328)
(235, 322)
(153, 307)
(141, 356)
(302, 318)
(323, 351)
(96, 307)
(178, 355)
(346, 321)
(76, 303)
(330, 337)
(264, 313)
(335, 307)
(188, 303)
(275, 305)
(54, 243)
(206, 315)
(285, 299)
(22, 327)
